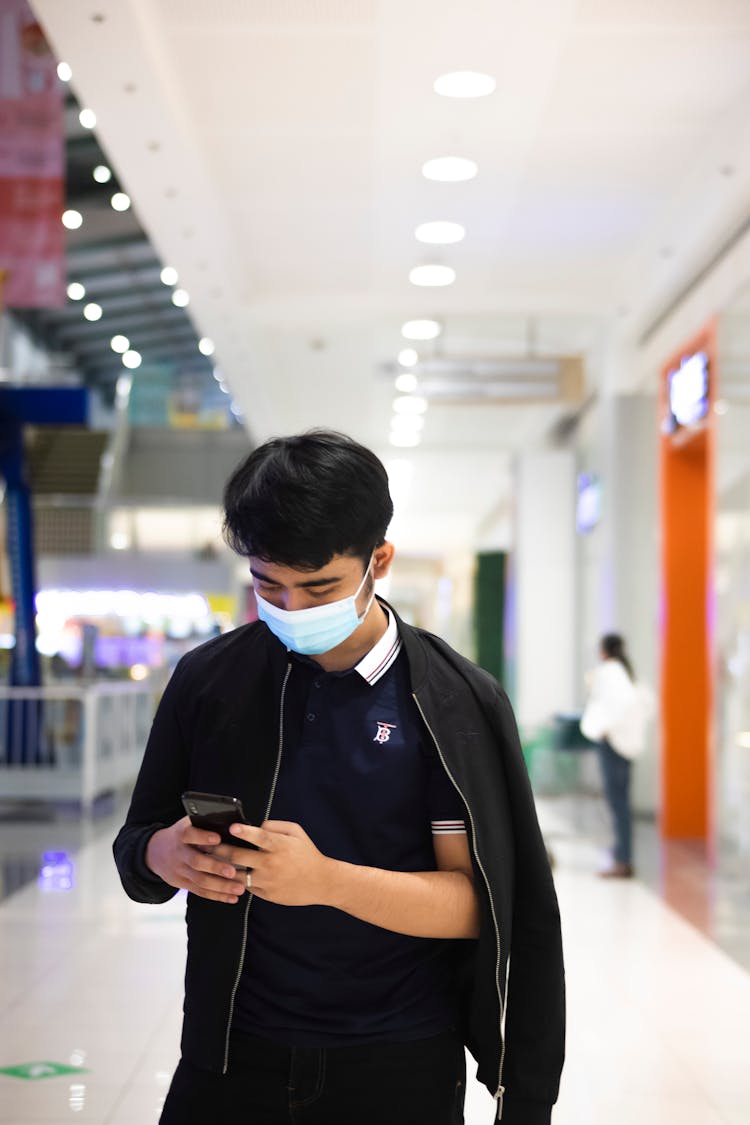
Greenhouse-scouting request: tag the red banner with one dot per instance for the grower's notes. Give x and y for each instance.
(32, 163)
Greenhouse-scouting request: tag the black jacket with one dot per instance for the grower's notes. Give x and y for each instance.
(217, 729)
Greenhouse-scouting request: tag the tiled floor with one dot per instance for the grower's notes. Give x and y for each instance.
(658, 1013)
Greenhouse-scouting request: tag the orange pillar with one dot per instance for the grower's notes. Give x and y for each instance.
(687, 610)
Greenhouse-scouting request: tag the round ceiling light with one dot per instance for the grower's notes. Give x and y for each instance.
(72, 219)
(407, 422)
(404, 439)
(410, 404)
(120, 201)
(421, 329)
(450, 169)
(406, 383)
(119, 344)
(64, 73)
(92, 311)
(464, 84)
(180, 297)
(432, 275)
(132, 359)
(76, 291)
(102, 174)
(439, 233)
(206, 346)
(87, 117)
(169, 275)
(407, 357)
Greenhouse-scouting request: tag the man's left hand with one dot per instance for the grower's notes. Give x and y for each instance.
(287, 869)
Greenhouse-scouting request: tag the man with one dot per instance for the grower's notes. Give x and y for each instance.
(336, 971)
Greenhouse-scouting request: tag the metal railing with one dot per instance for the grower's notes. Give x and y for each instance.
(73, 742)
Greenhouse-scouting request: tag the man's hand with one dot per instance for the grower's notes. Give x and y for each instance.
(287, 869)
(176, 855)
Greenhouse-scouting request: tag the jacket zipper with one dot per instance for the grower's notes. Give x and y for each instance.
(500, 1091)
(250, 896)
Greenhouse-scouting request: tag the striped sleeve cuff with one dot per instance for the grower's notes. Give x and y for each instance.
(448, 827)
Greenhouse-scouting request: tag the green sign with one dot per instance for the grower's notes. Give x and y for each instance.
(40, 1070)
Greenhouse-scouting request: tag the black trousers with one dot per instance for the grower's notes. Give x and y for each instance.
(382, 1084)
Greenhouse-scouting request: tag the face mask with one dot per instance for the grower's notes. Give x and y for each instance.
(318, 629)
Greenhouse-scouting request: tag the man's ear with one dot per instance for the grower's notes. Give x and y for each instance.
(383, 557)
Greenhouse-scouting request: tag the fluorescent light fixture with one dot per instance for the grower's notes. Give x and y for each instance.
(439, 233)
(120, 201)
(119, 344)
(432, 275)
(132, 359)
(421, 329)
(72, 219)
(406, 383)
(92, 311)
(410, 404)
(464, 84)
(407, 357)
(206, 346)
(102, 174)
(180, 297)
(76, 291)
(169, 275)
(87, 117)
(64, 73)
(450, 169)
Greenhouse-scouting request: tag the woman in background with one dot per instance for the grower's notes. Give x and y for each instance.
(615, 716)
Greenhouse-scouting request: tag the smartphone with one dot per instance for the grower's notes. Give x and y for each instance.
(215, 813)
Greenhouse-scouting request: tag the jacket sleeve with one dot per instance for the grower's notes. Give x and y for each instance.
(535, 1004)
(156, 801)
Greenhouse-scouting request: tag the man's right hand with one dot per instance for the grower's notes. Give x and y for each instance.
(181, 856)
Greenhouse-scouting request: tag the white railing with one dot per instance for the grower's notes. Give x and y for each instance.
(73, 742)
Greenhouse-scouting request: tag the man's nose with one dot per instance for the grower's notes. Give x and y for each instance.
(293, 599)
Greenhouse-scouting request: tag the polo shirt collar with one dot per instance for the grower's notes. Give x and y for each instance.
(380, 658)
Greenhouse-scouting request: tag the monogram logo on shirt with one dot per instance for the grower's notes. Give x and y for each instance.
(384, 731)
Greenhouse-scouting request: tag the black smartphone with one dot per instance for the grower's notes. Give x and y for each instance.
(215, 813)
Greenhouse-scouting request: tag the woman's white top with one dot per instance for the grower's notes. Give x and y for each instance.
(617, 709)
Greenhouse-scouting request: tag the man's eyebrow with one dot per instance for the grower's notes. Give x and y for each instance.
(312, 583)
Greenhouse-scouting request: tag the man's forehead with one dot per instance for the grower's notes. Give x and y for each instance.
(337, 567)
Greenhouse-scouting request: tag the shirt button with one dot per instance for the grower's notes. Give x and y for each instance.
(317, 683)
(310, 716)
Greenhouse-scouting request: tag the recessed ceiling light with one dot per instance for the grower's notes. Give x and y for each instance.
(76, 291)
(407, 357)
(421, 330)
(119, 541)
(464, 84)
(432, 275)
(64, 73)
(132, 359)
(87, 117)
(92, 311)
(406, 383)
(410, 404)
(169, 275)
(206, 346)
(217, 374)
(119, 344)
(223, 387)
(102, 174)
(721, 406)
(180, 297)
(450, 169)
(439, 233)
(72, 219)
(120, 201)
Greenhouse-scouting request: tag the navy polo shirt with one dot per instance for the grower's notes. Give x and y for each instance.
(360, 776)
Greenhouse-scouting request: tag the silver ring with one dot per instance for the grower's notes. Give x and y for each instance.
(249, 879)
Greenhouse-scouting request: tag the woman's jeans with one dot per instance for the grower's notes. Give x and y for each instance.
(616, 776)
(267, 1084)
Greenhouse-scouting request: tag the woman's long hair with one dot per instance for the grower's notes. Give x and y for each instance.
(613, 647)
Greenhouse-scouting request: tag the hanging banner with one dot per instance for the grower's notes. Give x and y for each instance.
(32, 163)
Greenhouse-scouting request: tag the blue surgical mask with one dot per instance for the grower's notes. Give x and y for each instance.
(318, 629)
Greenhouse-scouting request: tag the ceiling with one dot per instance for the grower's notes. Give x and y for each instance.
(273, 149)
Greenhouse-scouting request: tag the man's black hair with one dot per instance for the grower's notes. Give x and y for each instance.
(298, 501)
